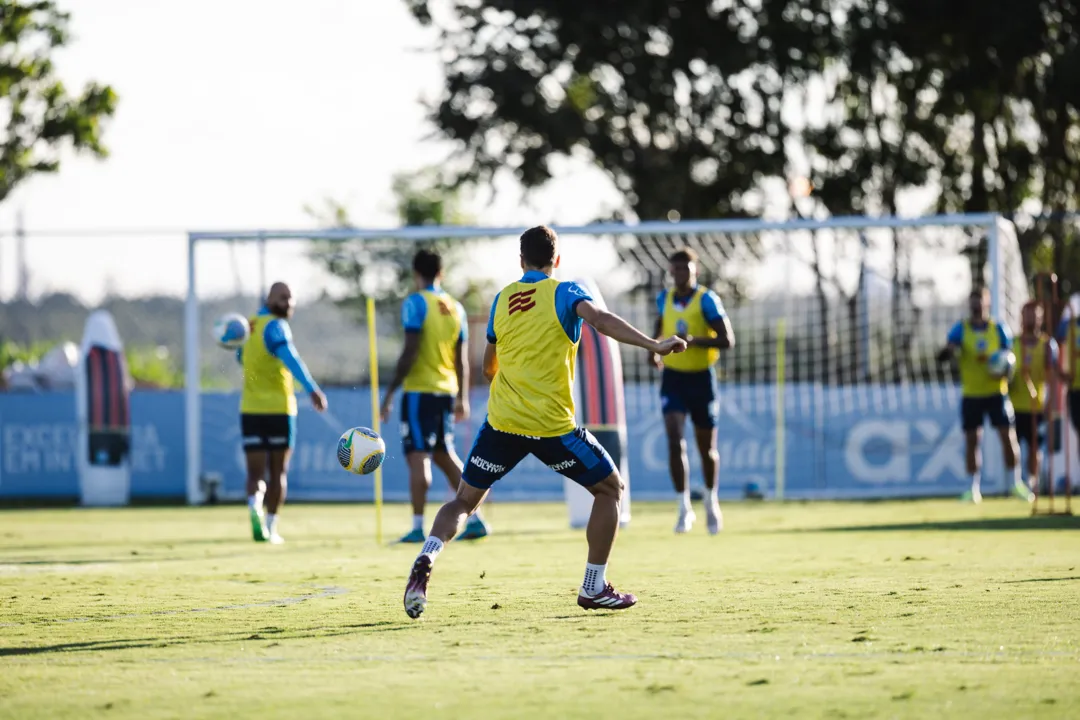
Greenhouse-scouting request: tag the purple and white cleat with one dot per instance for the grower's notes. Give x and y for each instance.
(607, 599)
(416, 590)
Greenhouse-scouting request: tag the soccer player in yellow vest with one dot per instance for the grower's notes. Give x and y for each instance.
(533, 334)
(1036, 363)
(434, 371)
(268, 408)
(984, 396)
(688, 382)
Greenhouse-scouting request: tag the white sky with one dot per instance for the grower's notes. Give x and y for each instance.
(236, 114)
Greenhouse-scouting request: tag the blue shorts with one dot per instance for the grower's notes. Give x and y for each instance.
(692, 393)
(427, 422)
(268, 432)
(996, 407)
(576, 455)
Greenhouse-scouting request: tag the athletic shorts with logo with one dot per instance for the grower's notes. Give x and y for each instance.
(576, 455)
(268, 432)
(997, 408)
(427, 423)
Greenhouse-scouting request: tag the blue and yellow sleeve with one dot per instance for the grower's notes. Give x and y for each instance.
(567, 297)
(278, 339)
(956, 335)
(711, 307)
(491, 320)
(413, 313)
(1005, 336)
(1063, 329)
(1052, 351)
(661, 300)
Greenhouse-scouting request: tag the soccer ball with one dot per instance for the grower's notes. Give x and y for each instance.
(1002, 364)
(231, 330)
(360, 450)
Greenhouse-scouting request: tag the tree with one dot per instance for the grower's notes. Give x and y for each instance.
(41, 117)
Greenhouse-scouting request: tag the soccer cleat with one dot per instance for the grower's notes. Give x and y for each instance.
(686, 520)
(972, 496)
(416, 535)
(475, 529)
(607, 599)
(276, 539)
(714, 519)
(416, 589)
(1022, 491)
(258, 525)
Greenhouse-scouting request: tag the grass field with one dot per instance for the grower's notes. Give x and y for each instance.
(918, 609)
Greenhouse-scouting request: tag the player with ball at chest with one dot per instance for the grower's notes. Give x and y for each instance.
(533, 334)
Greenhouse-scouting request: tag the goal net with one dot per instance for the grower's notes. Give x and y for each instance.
(831, 391)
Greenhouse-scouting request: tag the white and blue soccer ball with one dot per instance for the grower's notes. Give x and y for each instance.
(1002, 364)
(231, 330)
(361, 450)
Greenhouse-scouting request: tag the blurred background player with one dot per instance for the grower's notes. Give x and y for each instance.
(434, 371)
(984, 395)
(688, 382)
(536, 325)
(268, 408)
(1036, 358)
(1068, 337)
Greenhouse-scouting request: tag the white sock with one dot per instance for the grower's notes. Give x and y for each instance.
(594, 579)
(432, 547)
(975, 481)
(417, 522)
(271, 521)
(253, 502)
(684, 499)
(710, 496)
(1018, 478)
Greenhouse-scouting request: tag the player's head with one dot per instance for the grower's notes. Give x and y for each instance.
(279, 301)
(1031, 316)
(427, 268)
(539, 249)
(683, 267)
(979, 303)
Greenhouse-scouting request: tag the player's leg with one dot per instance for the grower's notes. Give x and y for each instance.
(492, 456)
(674, 408)
(1002, 419)
(1026, 423)
(417, 451)
(281, 444)
(578, 456)
(254, 441)
(704, 415)
(446, 459)
(971, 418)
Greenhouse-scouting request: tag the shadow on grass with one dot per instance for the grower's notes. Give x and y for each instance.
(1043, 580)
(1037, 522)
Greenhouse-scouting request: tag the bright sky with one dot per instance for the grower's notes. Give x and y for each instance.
(236, 114)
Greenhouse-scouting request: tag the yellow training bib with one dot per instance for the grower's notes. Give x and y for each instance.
(688, 320)
(1032, 359)
(975, 349)
(268, 384)
(532, 393)
(1072, 342)
(435, 369)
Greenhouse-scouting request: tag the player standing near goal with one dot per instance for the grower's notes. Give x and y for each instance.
(984, 395)
(535, 325)
(688, 382)
(434, 371)
(268, 407)
(1036, 362)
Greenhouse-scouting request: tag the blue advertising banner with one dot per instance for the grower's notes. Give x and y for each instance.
(901, 441)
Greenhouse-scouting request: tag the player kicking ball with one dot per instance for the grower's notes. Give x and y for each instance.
(533, 333)
(434, 371)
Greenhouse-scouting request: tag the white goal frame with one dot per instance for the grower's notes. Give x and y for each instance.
(192, 336)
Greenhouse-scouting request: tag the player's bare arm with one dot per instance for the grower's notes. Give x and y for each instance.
(491, 362)
(725, 336)
(461, 367)
(405, 362)
(618, 329)
(658, 329)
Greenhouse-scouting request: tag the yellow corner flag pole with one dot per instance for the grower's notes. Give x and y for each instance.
(781, 451)
(373, 360)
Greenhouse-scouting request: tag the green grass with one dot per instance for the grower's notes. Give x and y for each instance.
(919, 609)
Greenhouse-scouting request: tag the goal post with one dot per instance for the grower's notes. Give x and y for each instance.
(864, 304)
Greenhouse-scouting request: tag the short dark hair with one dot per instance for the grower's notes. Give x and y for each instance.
(980, 292)
(427, 264)
(538, 246)
(686, 255)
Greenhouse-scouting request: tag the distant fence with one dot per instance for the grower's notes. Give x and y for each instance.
(840, 443)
